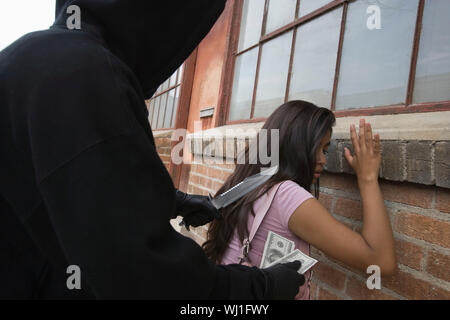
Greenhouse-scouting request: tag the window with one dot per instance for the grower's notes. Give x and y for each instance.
(326, 52)
(375, 63)
(432, 79)
(271, 83)
(314, 63)
(163, 105)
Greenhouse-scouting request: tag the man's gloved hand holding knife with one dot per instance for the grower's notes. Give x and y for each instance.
(198, 210)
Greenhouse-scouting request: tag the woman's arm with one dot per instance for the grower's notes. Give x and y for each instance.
(375, 244)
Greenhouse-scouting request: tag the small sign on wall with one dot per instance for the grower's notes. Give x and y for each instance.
(207, 112)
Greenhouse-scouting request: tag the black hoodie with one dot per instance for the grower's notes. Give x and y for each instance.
(80, 180)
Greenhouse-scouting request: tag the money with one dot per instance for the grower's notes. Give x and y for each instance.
(275, 248)
(307, 261)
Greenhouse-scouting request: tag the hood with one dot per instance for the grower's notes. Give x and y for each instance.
(152, 37)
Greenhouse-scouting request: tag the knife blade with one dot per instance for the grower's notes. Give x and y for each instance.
(239, 190)
(242, 188)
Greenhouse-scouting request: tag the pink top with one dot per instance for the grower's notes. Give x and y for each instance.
(287, 199)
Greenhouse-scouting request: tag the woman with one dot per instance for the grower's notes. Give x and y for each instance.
(294, 213)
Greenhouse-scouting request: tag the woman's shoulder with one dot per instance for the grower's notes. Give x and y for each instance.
(288, 198)
(289, 186)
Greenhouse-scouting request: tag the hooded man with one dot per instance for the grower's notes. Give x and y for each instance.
(81, 182)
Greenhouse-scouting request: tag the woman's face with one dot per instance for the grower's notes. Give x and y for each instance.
(320, 155)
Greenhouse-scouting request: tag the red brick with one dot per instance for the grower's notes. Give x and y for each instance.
(443, 200)
(324, 294)
(357, 289)
(329, 275)
(408, 254)
(202, 181)
(326, 200)
(348, 208)
(162, 142)
(193, 179)
(228, 166)
(407, 285)
(344, 182)
(195, 168)
(165, 158)
(438, 265)
(424, 228)
(214, 173)
(436, 293)
(407, 193)
(208, 183)
(225, 175)
(216, 185)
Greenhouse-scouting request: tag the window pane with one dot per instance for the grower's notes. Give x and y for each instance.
(314, 64)
(180, 74)
(162, 110)
(165, 85)
(308, 6)
(173, 78)
(375, 63)
(251, 23)
(150, 110)
(155, 112)
(175, 105)
(169, 108)
(433, 65)
(272, 77)
(243, 84)
(280, 13)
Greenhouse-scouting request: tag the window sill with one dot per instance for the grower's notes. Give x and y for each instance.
(415, 147)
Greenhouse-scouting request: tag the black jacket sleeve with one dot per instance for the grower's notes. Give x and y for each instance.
(111, 207)
(108, 196)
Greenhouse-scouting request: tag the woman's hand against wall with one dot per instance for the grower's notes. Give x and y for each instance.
(366, 160)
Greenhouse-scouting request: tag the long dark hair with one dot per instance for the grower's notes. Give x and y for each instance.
(301, 125)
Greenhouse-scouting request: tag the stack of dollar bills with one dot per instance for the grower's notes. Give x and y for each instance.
(281, 250)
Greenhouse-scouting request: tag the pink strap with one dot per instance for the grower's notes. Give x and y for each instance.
(262, 211)
(259, 217)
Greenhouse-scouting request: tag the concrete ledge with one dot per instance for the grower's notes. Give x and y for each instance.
(425, 162)
(415, 147)
(409, 126)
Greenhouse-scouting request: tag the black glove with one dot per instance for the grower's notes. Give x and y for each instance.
(283, 280)
(196, 210)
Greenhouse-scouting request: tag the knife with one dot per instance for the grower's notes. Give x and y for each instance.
(241, 189)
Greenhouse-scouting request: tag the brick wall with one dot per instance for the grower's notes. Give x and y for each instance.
(162, 142)
(420, 218)
(205, 178)
(419, 215)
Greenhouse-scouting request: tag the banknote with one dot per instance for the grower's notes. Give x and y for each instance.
(307, 261)
(275, 248)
